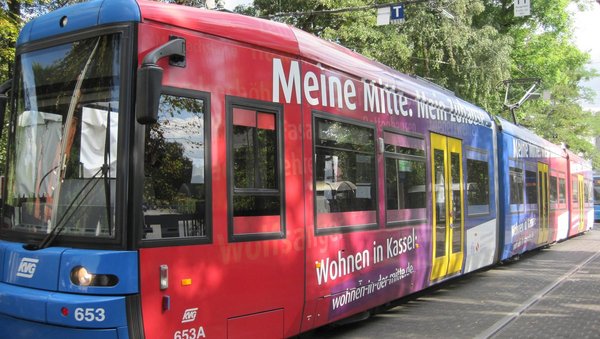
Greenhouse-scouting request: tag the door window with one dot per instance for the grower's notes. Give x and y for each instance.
(174, 197)
(255, 167)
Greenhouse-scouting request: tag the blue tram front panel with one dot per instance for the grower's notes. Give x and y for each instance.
(67, 293)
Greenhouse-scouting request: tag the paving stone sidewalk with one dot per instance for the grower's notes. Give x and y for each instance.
(549, 293)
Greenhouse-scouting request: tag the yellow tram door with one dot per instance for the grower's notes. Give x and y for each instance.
(543, 205)
(580, 194)
(447, 197)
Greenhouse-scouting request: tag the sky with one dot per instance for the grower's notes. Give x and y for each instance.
(587, 26)
(231, 4)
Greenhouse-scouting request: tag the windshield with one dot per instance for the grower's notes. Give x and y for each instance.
(63, 144)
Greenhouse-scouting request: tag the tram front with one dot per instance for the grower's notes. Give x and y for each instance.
(65, 267)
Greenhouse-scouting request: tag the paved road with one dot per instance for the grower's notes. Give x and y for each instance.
(549, 293)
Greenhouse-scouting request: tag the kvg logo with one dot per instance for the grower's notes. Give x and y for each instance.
(27, 267)
(189, 315)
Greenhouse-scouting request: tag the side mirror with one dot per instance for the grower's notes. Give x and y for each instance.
(149, 80)
(2, 185)
(3, 103)
(4, 88)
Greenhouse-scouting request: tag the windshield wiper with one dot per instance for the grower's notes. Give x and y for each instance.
(106, 171)
(68, 214)
(62, 164)
(70, 211)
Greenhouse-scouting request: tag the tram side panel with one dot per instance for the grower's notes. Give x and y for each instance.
(559, 208)
(580, 195)
(524, 207)
(516, 228)
(534, 190)
(353, 262)
(480, 214)
(369, 202)
(589, 197)
(244, 275)
(597, 198)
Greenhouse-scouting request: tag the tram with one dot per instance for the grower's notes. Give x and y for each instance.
(185, 173)
(597, 197)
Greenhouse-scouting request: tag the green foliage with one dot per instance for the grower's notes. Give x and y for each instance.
(8, 38)
(471, 54)
(167, 167)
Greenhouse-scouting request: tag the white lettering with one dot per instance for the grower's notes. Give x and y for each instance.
(319, 88)
(335, 87)
(371, 98)
(311, 85)
(403, 106)
(323, 90)
(293, 82)
(27, 267)
(349, 93)
(396, 247)
(89, 314)
(190, 333)
(332, 269)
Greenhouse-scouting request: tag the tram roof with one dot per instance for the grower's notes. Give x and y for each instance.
(585, 163)
(294, 42)
(79, 16)
(527, 135)
(259, 32)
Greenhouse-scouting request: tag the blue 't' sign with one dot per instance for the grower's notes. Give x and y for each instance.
(397, 13)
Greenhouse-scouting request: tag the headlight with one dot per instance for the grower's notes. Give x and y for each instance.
(82, 277)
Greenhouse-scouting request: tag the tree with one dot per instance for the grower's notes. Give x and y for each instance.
(471, 53)
(453, 53)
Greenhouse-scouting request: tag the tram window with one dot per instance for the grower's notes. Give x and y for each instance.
(575, 189)
(597, 191)
(516, 185)
(531, 190)
(174, 186)
(562, 191)
(586, 191)
(405, 189)
(344, 174)
(254, 162)
(553, 189)
(478, 186)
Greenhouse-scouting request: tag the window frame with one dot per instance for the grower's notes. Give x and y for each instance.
(554, 205)
(575, 191)
(181, 241)
(531, 167)
(562, 204)
(518, 207)
(559, 175)
(344, 228)
(125, 237)
(481, 155)
(398, 156)
(588, 194)
(232, 102)
(595, 185)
